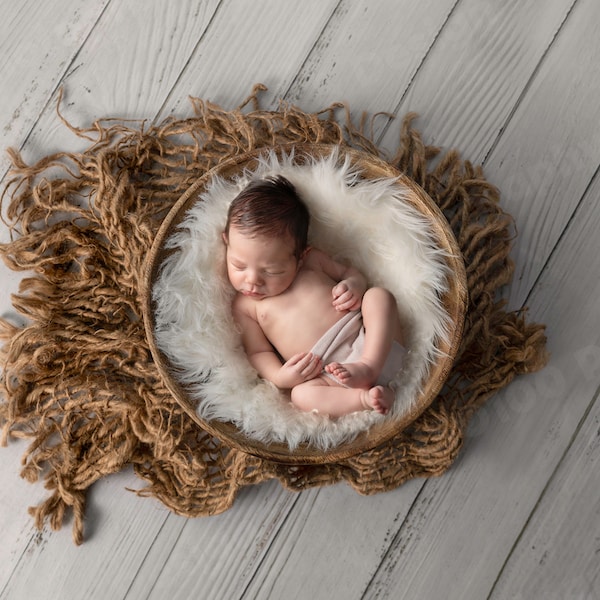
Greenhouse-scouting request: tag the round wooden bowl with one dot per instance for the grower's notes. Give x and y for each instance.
(454, 301)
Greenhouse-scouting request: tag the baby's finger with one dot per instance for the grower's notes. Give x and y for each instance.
(296, 360)
(304, 360)
(309, 363)
(313, 368)
(339, 289)
(342, 298)
(346, 302)
(308, 360)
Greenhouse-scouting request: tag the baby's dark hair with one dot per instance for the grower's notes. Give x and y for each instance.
(271, 207)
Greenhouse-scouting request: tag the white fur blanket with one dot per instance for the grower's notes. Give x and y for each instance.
(366, 223)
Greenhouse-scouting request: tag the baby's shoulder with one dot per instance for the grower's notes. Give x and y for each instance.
(242, 305)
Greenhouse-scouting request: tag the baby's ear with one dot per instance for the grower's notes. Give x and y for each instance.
(225, 238)
(303, 255)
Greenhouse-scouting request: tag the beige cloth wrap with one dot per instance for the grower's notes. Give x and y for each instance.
(344, 342)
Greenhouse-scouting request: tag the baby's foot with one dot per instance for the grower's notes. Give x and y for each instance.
(354, 375)
(378, 398)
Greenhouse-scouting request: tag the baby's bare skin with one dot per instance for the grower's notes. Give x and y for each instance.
(288, 304)
(283, 318)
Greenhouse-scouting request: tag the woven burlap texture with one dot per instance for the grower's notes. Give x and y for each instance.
(78, 378)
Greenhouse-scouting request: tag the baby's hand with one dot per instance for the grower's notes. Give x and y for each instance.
(347, 295)
(301, 367)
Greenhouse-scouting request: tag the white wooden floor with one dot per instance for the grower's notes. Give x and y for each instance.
(514, 85)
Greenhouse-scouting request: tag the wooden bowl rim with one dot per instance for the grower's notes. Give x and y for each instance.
(454, 301)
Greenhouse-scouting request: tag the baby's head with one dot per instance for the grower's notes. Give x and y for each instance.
(266, 236)
(270, 207)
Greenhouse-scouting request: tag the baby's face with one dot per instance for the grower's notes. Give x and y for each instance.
(260, 267)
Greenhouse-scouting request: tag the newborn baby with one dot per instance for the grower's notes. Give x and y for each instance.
(308, 323)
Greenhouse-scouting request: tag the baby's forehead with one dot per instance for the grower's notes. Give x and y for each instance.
(283, 239)
(279, 247)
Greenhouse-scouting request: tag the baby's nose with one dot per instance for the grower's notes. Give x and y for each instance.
(253, 277)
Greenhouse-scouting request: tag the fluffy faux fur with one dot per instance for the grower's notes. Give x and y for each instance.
(363, 222)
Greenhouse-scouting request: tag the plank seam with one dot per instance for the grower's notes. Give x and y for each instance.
(143, 561)
(385, 128)
(258, 566)
(188, 61)
(26, 549)
(335, 11)
(528, 84)
(552, 477)
(392, 543)
(59, 82)
(562, 235)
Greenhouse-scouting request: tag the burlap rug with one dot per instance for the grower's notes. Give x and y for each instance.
(79, 381)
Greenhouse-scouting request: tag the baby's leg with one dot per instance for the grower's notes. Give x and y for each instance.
(382, 327)
(328, 398)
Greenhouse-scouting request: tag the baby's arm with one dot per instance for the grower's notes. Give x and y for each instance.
(262, 356)
(352, 284)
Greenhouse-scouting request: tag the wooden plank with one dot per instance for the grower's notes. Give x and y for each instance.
(557, 557)
(30, 69)
(135, 57)
(125, 70)
(557, 553)
(368, 54)
(215, 557)
(131, 548)
(331, 544)
(551, 147)
(476, 71)
(123, 527)
(248, 43)
(463, 527)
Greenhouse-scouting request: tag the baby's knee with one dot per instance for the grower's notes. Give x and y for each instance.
(300, 396)
(381, 297)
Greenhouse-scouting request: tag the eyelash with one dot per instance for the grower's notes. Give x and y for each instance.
(270, 274)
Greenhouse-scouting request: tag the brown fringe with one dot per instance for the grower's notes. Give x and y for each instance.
(78, 378)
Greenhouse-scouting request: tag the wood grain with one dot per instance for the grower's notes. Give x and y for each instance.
(218, 557)
(550, 149)
(53, 567)
(249, 43)
(476, 71)
(125, 69)
(563, 528)
(31, 71)
(368, 54)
